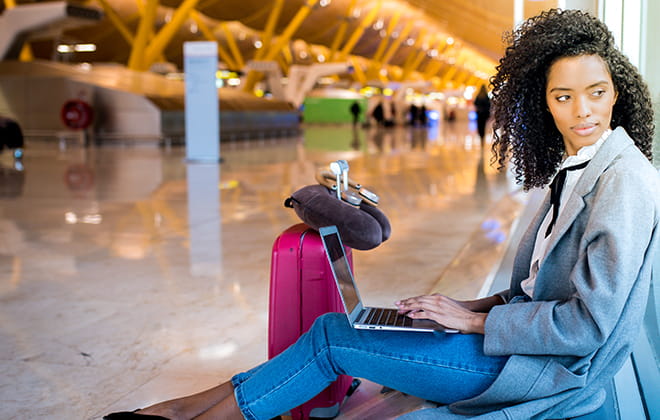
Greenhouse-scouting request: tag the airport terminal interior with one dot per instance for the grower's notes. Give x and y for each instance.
(135, 258)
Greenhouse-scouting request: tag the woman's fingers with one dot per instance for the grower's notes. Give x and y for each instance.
(444, 310)
(423, 302)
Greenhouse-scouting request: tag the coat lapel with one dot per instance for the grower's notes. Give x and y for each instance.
(523, 257)
(615, 143)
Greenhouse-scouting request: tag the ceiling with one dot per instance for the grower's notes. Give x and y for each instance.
(448, 42)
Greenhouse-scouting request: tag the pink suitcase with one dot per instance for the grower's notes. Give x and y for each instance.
(302, 288)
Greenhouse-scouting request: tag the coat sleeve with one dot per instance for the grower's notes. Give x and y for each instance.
(616, 242)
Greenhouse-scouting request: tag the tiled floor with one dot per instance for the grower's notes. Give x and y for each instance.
(128, 277)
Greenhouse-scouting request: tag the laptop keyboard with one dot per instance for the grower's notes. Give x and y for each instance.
(384, 316)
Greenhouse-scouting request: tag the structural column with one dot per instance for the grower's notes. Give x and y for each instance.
(650, 63)
(635, 29)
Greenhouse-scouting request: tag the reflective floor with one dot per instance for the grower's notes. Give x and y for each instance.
(128, 276)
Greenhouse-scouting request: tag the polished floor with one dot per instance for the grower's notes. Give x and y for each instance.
(128, 276)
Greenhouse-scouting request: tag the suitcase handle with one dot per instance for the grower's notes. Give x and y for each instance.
(328, 180)
(289, 202)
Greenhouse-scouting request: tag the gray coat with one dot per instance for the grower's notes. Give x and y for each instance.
(589, 297)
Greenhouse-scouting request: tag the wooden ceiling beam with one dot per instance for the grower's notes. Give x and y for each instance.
(117, 22)
(355, 37)
(136, 59)
(282, 40)
(397, 43)
(291, 28)
(394, 20)
(413, 59)
(208, 34)
(341, 32)
(358, 73)
(376, 63)
(275, 13)
(165, 35)
(233, 47)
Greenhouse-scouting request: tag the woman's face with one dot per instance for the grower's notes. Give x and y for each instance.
(580, 96)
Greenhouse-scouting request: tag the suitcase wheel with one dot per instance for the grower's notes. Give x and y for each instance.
(354, 385)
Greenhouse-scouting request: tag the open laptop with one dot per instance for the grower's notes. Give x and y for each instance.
(359, 316)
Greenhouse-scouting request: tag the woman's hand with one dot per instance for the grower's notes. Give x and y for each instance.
(444, 310)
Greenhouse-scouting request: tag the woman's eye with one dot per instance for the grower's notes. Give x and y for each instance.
(562, 98)
(599, 92)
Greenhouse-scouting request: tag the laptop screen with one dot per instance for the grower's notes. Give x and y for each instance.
(342, 271)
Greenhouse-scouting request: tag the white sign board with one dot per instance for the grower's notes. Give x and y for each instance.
(202, 104)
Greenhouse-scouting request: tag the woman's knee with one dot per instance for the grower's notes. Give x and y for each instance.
(330, 322)
(328, 328)
(331, 331)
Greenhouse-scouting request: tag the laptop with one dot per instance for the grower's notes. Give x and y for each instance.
(359, 316)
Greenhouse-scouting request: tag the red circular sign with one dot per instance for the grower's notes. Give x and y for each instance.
(77, 114)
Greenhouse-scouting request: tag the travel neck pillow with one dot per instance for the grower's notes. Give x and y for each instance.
(361, 227)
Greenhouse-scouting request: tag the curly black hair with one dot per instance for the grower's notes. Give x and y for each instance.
(524, 129)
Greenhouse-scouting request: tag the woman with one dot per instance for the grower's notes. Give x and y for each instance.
(563, 96)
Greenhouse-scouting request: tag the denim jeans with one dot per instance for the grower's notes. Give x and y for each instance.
(434, 366)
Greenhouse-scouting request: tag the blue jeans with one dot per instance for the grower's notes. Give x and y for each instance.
(434, 366)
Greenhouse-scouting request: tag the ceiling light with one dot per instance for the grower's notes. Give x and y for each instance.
(63, 48)
(469, 92)
(84, 47)
(68, 48)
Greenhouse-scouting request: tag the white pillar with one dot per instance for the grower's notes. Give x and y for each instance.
(590, 6)
(650, 63)
(201, 101)
(518, 12)
(626, 20)
(635, 28)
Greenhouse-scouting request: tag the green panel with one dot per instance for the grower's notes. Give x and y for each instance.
(331, 110)
(335, 138)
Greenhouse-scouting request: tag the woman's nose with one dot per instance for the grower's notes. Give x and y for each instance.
(582, 107)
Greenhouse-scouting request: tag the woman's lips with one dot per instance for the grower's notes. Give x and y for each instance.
(584, 129)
